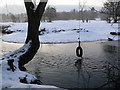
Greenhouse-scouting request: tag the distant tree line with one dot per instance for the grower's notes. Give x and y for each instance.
(13, 17)
(52, 14)
(110, 12)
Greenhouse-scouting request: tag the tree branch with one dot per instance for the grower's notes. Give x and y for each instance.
(29, 7)
(41, 7)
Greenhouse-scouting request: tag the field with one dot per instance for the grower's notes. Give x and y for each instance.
(63, 31)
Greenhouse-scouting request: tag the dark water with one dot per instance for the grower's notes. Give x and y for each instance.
(57, 64)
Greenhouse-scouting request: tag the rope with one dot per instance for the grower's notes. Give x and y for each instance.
(7, 8)
(79, 22)
(79, 50)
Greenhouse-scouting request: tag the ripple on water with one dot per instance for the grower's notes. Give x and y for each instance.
(57, 64)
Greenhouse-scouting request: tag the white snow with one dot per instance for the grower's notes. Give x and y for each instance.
(56, 32)
(97, 30)
(11, 79)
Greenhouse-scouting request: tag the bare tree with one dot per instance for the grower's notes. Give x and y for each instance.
(50, 13)
(81, 11)
(13, 17)
(112, 8)
(34, 17)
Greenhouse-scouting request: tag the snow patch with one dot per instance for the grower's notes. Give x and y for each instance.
(14, 78)
(64, 31)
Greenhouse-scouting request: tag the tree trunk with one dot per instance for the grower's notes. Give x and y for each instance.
(115, 19)
(34, 17)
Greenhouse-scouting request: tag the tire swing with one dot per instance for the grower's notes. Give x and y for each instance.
(79, 51)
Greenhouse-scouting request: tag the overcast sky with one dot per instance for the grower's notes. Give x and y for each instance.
(61, 5)
(56, 2)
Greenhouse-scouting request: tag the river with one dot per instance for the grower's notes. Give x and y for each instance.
(57, 64)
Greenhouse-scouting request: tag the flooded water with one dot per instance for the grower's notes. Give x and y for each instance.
(57, 64)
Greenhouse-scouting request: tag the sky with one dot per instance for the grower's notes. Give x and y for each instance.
(61, 5)
(56, 2)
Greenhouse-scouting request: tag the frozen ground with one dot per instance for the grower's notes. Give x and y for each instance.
(12, 76)
(63, 31)
(55, 32)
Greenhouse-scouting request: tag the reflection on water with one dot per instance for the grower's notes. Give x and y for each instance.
(78, 65)
(57, 64)
(82, 74)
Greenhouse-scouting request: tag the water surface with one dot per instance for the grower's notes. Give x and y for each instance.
(57, 64)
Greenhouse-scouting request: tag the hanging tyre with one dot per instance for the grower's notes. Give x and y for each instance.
(79, 51)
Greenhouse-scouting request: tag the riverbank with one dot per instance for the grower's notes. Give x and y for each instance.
(57, 64)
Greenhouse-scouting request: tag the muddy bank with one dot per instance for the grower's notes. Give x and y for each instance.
(57, 64)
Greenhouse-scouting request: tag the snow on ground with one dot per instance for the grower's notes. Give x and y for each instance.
(12, 76)
(63, 31)
(55, 32)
